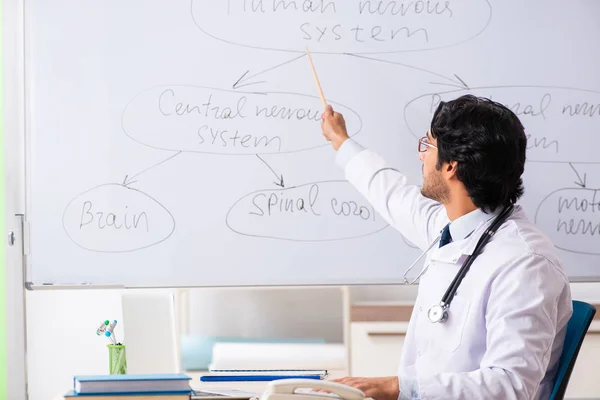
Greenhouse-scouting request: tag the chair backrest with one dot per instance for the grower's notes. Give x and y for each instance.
(578, 325)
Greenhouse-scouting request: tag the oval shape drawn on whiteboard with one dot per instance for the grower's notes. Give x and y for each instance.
(228, 122)
(313, 212)
(337, 27)
(571, 218)
(114, 218)
(557, 120)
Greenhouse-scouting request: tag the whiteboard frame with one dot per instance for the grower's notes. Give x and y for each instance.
(14, 163)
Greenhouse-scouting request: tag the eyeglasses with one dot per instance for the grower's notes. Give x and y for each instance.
(424, 144)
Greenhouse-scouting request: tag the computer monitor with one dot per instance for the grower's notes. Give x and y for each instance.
(150, 333)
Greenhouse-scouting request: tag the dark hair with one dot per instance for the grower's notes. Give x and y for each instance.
(488, 142)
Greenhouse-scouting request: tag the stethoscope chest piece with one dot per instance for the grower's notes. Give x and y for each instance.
(437, 313)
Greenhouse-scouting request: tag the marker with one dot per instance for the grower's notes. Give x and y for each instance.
(112, 325)
(102, 328)
(111, 337)
(111, 329)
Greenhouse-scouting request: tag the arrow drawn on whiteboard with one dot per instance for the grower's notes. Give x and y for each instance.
(245, 78)
(580, 182)
(462, 84)
(129, 180)
(454, 82)
(279, 177)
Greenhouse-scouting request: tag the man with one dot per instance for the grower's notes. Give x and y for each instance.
(506, 323)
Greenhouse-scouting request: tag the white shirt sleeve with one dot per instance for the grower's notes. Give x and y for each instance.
(402, 205)
(521, 330)
(347, 151)
(409, 389)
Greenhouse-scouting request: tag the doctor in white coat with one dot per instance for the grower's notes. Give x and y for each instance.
(498, 332)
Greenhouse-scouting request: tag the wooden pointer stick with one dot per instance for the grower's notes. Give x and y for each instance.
(316, 80)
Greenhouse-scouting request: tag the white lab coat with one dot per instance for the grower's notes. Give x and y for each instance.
(506, 325)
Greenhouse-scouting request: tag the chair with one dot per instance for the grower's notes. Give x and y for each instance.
(580, 321)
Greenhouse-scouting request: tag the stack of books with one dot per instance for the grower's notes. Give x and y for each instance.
(131, 387)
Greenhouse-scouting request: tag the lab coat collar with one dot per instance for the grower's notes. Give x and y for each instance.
(466, 229)
(464, 226)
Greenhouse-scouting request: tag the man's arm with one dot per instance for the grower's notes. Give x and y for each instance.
(419, 219)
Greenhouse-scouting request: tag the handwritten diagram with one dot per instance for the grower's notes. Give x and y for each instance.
(570, 214)
(547, 112)
(204, 120)
(305, 209)
(129, 217)
(329, 26)
(246, 122)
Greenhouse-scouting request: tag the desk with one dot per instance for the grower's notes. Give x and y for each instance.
(195, 383)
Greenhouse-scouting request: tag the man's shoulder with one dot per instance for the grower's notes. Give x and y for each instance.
(534, 262)
(527, 241)
(524, 254)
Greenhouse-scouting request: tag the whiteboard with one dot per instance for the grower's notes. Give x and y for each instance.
(177, 142)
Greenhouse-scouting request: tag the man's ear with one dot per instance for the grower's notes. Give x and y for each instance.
(450, 169)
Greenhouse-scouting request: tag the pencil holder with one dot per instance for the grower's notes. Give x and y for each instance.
(117, 359)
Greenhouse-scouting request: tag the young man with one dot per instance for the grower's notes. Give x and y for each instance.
(502, 333)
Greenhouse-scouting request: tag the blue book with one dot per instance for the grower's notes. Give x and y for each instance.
(132, 383)
(233, 375)
(253, 378)
(71, 394)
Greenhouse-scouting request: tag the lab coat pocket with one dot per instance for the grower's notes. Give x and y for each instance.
(453, 330)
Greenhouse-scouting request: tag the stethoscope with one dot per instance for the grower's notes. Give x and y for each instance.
(439, 312)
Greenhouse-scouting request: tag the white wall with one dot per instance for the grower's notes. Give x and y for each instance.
(288, 313)
(62, 340)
